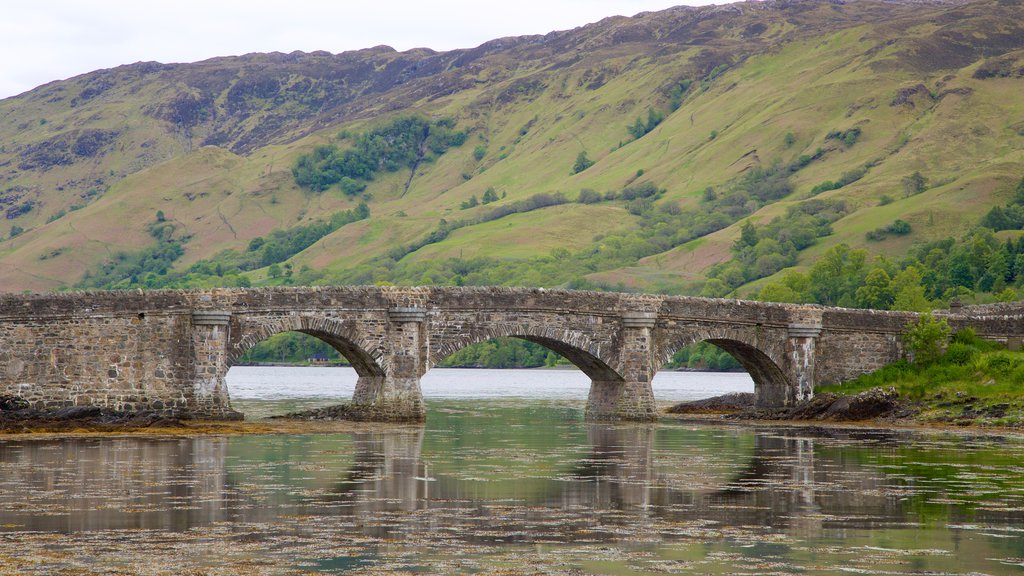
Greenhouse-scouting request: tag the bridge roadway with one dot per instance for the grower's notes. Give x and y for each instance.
(170, 350)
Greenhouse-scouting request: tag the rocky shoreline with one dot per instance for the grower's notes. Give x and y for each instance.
(17, 416)
(877, 405)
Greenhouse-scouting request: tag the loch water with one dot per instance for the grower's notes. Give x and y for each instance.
(507, 477)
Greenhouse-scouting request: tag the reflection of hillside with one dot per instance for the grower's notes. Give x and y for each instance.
(787, 484)
(75, 485)
(795, 481)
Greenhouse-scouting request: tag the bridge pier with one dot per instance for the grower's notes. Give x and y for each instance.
(396, 396)
(209, 338)
(631, 397)
(800, 356)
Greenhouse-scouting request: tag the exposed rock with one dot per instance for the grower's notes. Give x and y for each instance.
(15, 416)
(349, 412)
(870, 404)
(733, 402)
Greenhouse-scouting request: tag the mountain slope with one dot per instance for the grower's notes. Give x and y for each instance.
(931, 88)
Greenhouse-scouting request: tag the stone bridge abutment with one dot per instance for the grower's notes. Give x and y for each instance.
(171, 350)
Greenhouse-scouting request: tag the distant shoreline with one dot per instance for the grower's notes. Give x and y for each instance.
(559, 367)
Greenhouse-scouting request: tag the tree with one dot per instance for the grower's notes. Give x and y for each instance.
(909, 292)
(637, 129)
(877, 291)
(915, 184)
(925, 338)
(836, 275)
(490, 196)
(748, 237)
(582, 163)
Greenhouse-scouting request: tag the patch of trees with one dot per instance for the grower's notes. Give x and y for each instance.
(848, 177)
(711, 76)
(146, 268)
(401, 143)
(928, 277)
(151, 268)
(1010, 216)
(847, 137)
(639, 128)
(291, 348)
(758, 253)
(489, 196)
(503, 353)
(897, 228)
(703, 356)
(582, 162)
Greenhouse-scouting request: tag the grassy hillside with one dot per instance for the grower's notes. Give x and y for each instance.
(928, 88)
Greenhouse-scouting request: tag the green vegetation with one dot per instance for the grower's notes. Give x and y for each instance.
(639, 128)
(151, 267)
(914, 184)
(677, 94)
(401, 143)
(928, 277)
(847, 137)
(1010, 216)
(897, 228)
(503, 353)
(582, 162)
(710, 77)
(924, 339)
(703, 356)
(762, 252)
(291, 348)
(971, 380)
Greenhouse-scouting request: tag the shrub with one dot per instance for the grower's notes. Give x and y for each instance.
(999, 364)
(582, 163)
(588, 196)
(960, 354)
(924, 339)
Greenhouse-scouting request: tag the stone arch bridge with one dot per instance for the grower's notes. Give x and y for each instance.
(170, 350)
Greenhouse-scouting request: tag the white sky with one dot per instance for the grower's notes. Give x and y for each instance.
(45, 40)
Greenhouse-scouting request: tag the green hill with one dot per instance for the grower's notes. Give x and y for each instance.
(697, 120)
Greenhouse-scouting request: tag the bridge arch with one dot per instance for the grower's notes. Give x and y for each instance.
(762, 357)
(573, 345)
(339, 335)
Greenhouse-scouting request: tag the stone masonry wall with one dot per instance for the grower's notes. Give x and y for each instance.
(124, 362)
(138, 350)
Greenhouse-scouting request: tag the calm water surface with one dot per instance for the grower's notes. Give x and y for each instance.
(514, 483)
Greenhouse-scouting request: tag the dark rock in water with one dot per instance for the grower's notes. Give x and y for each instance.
(870, 404)
(353, 413)
(81, 417)
(874, 403)
(336, 412)
(76, 412)
(733, 402)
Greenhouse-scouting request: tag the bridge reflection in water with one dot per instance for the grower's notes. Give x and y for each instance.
(381, 484)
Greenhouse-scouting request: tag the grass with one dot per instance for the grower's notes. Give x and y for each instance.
(974, 381)
(843, 80)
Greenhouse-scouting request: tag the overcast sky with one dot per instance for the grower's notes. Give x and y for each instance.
(45, 40)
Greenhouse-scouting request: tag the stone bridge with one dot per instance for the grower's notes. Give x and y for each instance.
(171, 350)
